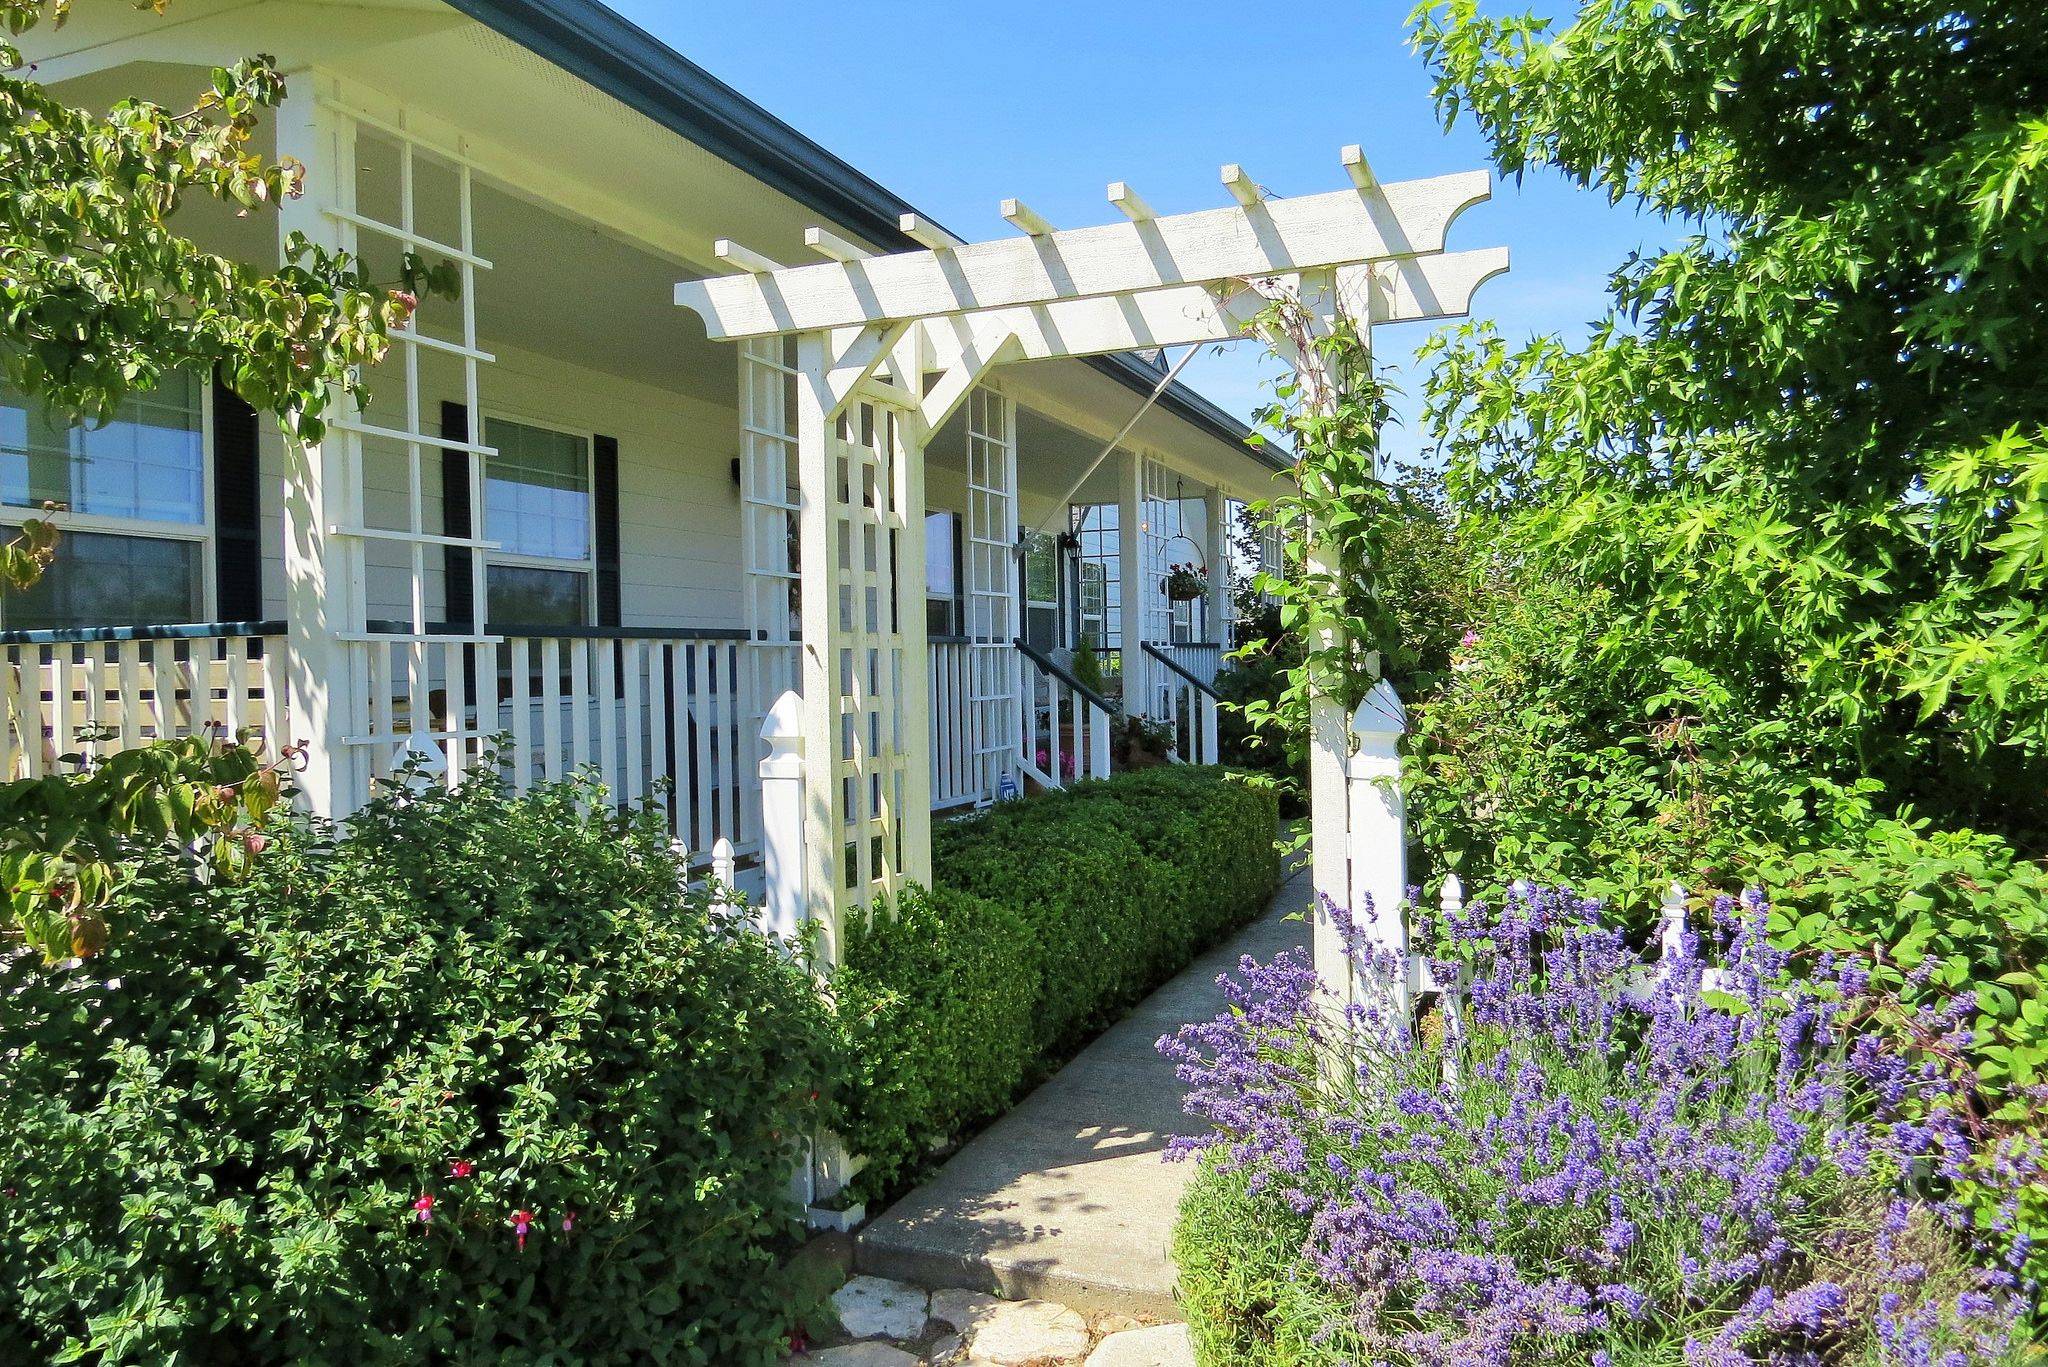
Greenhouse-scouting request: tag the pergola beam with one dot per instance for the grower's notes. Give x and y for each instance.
(927, 233)
(1242, 187)
(833, 247)
(1277, 236)
(1415, 290)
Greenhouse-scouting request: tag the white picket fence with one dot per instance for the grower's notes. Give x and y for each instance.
(1359, 861)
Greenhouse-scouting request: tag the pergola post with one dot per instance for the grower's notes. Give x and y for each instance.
(867, 794)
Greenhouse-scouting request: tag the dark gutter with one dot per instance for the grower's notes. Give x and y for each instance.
(604, 49)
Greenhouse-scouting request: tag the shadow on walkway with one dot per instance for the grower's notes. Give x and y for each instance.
(1068, 1197)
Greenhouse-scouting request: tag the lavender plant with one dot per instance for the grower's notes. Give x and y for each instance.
(1595, 1160)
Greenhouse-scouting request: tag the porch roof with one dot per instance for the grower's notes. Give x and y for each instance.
(611, 53)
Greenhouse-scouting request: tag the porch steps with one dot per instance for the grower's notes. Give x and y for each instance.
(1067, 1198)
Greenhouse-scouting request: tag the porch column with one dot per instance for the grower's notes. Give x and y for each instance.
(323, 599)
(1216, 541)
(1130, 566)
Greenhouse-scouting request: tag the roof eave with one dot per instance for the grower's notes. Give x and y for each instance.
(611, 53)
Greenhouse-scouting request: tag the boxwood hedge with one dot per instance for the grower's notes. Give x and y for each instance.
(1051, 917)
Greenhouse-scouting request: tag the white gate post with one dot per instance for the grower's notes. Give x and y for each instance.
(782, 818)
(1377, 841)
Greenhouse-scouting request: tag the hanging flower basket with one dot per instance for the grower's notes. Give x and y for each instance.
(1187, 583)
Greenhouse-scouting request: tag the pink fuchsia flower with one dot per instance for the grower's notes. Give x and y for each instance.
(461, 1167)
(522, 1220)
(424, 1208)
(1469, 639)
(568, 1221)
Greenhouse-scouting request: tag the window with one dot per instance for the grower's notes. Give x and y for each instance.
(133, 549)
(1042, 591)
(537, 506)
(942, 574)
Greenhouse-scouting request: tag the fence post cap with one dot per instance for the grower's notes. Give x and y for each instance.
(1381, 714)
(783, 727)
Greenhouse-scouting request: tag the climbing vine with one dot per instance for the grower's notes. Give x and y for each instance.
(1334, 521)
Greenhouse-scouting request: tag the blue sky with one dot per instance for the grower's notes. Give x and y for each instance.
(955, 106)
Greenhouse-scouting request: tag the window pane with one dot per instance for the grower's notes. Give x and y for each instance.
(109, 581)
(523, 596)
(149, 462)
(537, 491)
(940, 555)
(1041, 569)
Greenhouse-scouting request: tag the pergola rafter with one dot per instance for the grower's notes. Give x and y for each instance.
(1253, 238)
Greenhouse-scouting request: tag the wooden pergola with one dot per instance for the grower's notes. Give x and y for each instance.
(887, 346)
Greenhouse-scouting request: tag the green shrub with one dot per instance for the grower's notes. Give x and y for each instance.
(1052, 916)
(1238, 1259)
(213, 1137)
(936, 996)
(1121, 882)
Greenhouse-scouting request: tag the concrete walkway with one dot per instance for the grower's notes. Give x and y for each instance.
(1067, 1198)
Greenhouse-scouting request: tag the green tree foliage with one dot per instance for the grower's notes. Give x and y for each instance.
(1757, 570)
(1807, 449)
(100, 293)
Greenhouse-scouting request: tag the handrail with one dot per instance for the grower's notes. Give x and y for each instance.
(948, 640)
(1052, 667)
(170, 631)
(1156, 653)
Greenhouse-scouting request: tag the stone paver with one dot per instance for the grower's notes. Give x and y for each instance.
(1165, 1345)
(1067, 1197)
(962, 1310)
(877, 1308)
(1020, 1332)
(859, 1355)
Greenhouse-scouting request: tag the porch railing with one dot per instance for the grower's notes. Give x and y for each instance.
(1066, 724)
(637, 706)
(953, 742)
(1186, 704)
(1201, 659)
(98, 689)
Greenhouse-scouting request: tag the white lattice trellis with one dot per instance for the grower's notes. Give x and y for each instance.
(771, 500)
(992, 593)
(869, 516)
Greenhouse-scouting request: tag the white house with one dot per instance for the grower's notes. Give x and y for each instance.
(566, 515)
(725, 464)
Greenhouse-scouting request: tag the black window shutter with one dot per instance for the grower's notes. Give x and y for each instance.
(237, 508)
(455, 517)
(605, 471)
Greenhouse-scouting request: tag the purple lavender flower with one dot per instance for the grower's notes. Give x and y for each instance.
(1598, 1159)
